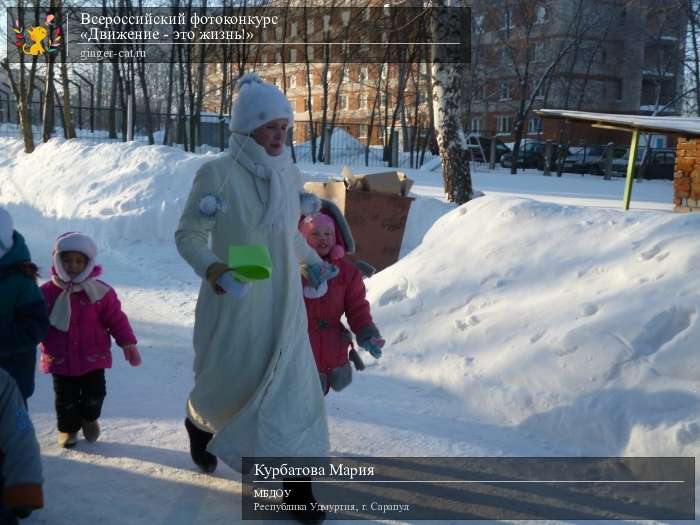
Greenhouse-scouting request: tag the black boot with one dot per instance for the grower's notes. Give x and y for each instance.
(199, 439)
(301, 494)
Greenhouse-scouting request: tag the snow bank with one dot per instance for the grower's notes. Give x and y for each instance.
(573, 323)
(111, 191)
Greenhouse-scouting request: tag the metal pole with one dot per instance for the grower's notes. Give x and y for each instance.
(492, 154)
(394, 149)
(327, 145)
(634, 145)
(129, 117)
(608, 160)
(547, 158)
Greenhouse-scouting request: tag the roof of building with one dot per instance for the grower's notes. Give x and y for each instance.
(683, 125)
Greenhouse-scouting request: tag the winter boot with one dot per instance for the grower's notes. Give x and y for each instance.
(301, 494)
(199, 439)
(67, 439)
(91, 430)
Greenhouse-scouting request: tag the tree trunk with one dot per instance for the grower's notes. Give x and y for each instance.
(47, 117)
(447, 95)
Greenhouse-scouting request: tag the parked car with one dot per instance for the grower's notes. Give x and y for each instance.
(480, 147)
(590, 158)
(532, 155)
(659, 164)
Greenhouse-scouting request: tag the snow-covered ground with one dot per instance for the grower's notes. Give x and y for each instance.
(538, 320)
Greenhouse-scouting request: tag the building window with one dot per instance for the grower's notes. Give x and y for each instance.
(504, 90)
(477, 125)
(503, 56)
(310, 26)
(503, 124)
(479, 92)
(293, 29)
(310, 52)
(506, 19)
(291, 81)
(292, 55)
(541, 15)
(538, 54)
(326, 23)
(362, 101)
(343, 102)
(617, 89)
(309, 105)
(278, 34)
(345, 16)
(479, 24)
(362, 74)
(534, 125)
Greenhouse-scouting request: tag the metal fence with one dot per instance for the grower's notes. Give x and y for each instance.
(354, 144)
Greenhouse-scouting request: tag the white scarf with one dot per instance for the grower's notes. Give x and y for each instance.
(60, 313)
(253, 157)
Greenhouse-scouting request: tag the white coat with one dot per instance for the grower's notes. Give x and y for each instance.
(256, 385)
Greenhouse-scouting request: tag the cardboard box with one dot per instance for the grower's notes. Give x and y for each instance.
(377, 219)
(393, 182)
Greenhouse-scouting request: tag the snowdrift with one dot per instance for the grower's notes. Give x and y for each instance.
(111, 191)
(574, 323)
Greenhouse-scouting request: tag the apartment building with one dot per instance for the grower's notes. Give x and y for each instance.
(612, 56)
(617, 56)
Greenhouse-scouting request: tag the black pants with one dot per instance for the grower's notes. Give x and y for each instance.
(78, 398)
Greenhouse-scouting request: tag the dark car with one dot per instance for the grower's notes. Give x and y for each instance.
(532, 155)
(659, 164)
(591, 158)
(480, 148)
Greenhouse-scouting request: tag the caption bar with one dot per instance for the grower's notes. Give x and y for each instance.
(352, 488)
(255, 34)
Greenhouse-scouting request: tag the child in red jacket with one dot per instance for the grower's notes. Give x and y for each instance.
(84, 313)
(328, 234)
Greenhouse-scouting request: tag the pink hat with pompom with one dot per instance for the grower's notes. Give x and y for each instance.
(307, 225)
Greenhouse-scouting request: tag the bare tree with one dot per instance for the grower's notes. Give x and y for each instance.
(20, 84)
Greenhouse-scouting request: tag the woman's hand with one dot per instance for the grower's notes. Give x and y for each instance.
(215, 271)
(219, 276)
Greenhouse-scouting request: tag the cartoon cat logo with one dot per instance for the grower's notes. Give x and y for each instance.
(37, 34)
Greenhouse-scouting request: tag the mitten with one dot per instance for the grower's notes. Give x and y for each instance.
(374, 346)
(317, 274)
(131, 354)
(356, 360)
(233, 286)
(309, 203)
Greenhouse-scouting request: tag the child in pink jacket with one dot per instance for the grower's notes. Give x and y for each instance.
(328, 234)
(84, 313)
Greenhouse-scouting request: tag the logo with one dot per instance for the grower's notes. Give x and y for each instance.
(38, 40)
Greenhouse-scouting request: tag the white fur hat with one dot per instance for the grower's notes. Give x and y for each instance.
(257, 102)
(74, 242)
(6, 229)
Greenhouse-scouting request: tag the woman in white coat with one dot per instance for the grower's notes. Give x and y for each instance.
(256, 387)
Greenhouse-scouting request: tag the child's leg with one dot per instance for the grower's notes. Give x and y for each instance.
(67, 392)
(93, 392)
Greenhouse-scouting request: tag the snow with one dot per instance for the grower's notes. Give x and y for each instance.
(538, 320)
